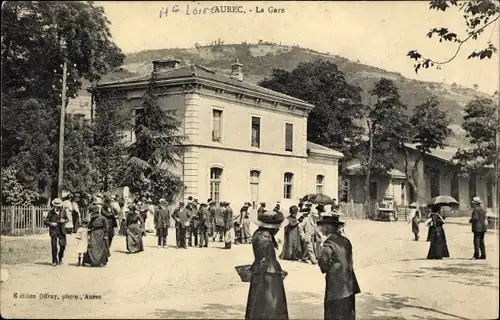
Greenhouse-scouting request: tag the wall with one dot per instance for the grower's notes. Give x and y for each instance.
(326, 167)
(236, 127)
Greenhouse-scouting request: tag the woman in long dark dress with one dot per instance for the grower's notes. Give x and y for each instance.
(292, 249)
(266, 296)
(438, 248)
(135, 230)
(98, 250)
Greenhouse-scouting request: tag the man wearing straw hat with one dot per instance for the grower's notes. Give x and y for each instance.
(335, 261)
(307, 231)
(478, 223)
(56, 221)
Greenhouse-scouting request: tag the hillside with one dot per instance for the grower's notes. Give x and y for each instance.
(259, 59)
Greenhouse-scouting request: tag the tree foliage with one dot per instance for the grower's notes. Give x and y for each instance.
(13, 192)
(428, 130)
(480, 124)
(31, 50)
(158, 145)
(478, 15)
(109, 145)
(333, 121)
(80, 174)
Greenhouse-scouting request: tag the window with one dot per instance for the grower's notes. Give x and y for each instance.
(319, 184)
(489, 193)
(472, 186)
(254, 187)
(216, 125)
(373, 190)
(256, 132)
(287, 192)
(435, 182)
(80, 118)
(454, 187)
(215, 181)
(288, 136)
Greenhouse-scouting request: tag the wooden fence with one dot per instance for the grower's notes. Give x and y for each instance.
(23, 220)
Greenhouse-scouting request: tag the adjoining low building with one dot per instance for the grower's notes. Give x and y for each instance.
(437, 175)
(244, 143)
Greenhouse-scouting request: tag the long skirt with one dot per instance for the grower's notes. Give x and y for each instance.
(341, 309)
(266, 297)
(134, 238)
(292, 248)
(429, 231)
(98, 251)
(438, 248)
(123, 228)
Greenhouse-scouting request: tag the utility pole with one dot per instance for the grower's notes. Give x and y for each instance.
(61, 123)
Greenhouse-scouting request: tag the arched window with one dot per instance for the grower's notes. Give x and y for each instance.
(320, 179)
(254, 187)
(288, 185)
(215, 181)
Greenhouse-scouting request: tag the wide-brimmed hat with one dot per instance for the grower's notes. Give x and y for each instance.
(331, 219)
(57, 202)
(162, 200)
(247, 204)
(476, 200)
(270, 219)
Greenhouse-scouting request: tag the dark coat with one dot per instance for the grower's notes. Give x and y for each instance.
(266, 296)
(218, 213)
(477, 220)
(182, 214)
(336, 262)
(53, 216)
(292, 248)
(107, 212)
(203, 217)
(228, 218)
(195, 219)
(162, 217)
(98, 250)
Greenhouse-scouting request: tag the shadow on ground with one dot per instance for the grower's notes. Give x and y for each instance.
(470, 274)
(207, 311)
(391, 306)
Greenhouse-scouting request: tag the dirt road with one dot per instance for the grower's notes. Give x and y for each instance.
(395, 278)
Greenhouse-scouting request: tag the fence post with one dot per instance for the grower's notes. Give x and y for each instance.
(33, 218)
(12, 216)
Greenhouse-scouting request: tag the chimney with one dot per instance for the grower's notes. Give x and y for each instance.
(237, 70)
(165, 65)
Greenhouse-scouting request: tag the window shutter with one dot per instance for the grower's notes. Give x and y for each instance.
(288, 137)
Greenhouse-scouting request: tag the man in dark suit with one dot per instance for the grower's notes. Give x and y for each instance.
(218, 214)
(183, 219)
(162, 222)
(478, 222)
(177, 227)
(203, 225)
(193, 227)
(335, 260)
(228, 225)
(56, 220)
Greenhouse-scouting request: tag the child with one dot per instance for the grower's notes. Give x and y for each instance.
(82, 241)
(245, 229)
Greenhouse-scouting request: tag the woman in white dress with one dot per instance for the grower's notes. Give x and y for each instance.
(150, 223)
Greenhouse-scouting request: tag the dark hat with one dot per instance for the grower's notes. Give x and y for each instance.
(203, 205)
(270, 219)
(190, 198)
(320, 207)
(330, 219)
(228, 203)
(209, 200)
(222, 203)
(195, 201)
(181, 203)
(306, 210)
(263, 204)
(247, 204)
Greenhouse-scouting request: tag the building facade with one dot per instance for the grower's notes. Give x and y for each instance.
(437, 175)
(244, 143)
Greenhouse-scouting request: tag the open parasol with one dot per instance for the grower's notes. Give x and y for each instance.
(443, 201)
(308, 197)
(322, 199)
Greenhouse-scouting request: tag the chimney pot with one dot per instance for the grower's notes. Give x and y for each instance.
(165, 65)
(237, 70)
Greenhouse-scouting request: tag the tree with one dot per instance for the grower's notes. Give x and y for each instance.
(31, 49)
(158, 144)
(109, 146)
(333, 121)
(29, 142)
(479, 15)
(387, 126)
(80, 174)
(481, 125)
(13, 192)
(428, 130)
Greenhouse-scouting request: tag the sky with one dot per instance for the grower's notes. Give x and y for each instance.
(376, 33)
